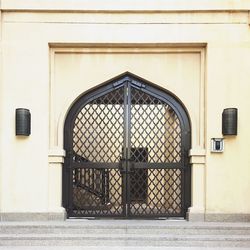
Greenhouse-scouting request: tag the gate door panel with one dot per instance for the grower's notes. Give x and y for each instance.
(155, 127)
(126, 145)
(97, 141)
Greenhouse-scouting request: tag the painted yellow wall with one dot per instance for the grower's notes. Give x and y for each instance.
(227, 174)
(50, 58)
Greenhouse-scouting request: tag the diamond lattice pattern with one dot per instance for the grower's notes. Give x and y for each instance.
(155, 138)
(98, 136)
(155, 127)
(99, 128)
(97, 192)
(163, 193)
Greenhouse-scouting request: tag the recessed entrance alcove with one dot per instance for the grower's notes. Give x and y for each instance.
(123, 141)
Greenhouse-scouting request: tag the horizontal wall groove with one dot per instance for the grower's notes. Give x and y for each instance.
(124, 11)
(128, 18)
(129, 23)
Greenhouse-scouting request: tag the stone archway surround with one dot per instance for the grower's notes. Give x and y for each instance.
(61, 55)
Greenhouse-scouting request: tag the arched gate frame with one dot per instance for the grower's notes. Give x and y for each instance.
(127, 144)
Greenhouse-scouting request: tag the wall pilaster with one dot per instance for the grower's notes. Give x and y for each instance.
(197, 210)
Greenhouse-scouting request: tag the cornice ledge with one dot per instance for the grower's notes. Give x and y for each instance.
(125, 5)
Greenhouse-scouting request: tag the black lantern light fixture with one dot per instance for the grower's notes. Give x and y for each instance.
(229, 121)
(23, 120)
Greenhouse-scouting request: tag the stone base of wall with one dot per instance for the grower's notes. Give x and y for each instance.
(195, 217)
(61, 216)
(53, 216)
(217, 217)
(227, 217)
(195, 214)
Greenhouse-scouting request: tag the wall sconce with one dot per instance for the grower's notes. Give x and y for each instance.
(23, 119)
(229, 121)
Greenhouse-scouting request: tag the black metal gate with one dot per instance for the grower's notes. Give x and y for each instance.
(127, 144)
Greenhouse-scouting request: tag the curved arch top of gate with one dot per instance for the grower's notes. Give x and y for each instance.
(127, 143)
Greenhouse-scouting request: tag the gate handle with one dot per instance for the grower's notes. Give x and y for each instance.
(122, 171)
(132, 166)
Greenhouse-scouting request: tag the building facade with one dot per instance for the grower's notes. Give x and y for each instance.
(126, 98)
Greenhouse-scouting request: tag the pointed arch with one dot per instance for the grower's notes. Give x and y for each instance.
(126, 139)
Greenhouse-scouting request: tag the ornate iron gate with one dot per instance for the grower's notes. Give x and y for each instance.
(127, 144)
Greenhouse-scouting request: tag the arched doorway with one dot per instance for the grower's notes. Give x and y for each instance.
(127, 145)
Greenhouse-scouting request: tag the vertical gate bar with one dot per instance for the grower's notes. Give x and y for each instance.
(70, 161)
(107, 185)
(187, 175)
(93, 178)
(67, 169)
(75, 176)
(123, 173)
(182, 176)
(66, 184)
(182, 191)
(80, 176)
(103, 188)
(84, 176)
(183, 173)
(128, 162)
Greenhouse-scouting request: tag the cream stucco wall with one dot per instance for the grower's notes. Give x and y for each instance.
(51, 54)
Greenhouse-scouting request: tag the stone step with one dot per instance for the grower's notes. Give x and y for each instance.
(116, 248)
(124, 240)
(127, 227)
(129, 233)
(112, 230)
